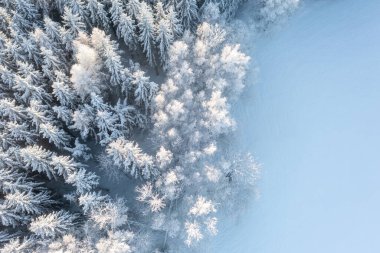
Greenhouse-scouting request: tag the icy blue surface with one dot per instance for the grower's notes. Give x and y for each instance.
(313, 122)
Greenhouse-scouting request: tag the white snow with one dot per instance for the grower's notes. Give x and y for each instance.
(312, 121)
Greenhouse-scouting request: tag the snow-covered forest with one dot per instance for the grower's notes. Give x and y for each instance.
(96, 94)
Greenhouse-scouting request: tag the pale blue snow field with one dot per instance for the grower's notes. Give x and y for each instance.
(313, 122)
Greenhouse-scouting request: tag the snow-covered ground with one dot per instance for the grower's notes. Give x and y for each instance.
(312, 121)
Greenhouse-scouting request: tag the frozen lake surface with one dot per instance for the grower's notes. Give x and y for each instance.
(313, 121)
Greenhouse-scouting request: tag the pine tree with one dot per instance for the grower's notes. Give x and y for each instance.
(7, 77)
(62, 79)
(164, 157)
(9, 109)
(52, 29)
(68, 243)
(78, 7)
(21, 132)
(61, 89)
(40, 38)
(28, 202)
(53, 224)
(64, 165)
(5, 20)
(29, 46)
(164, 38)
(97, 13)
(25, 13)
(4, 237)
(55, 135)
(44, 5)
(27, 70)
(218, 113)
(50, 63)
(155, 202)
(63, 113)
(159, 12)
(126, 29)
(126, 115)
(8, 217)
(98, 103)
(129, 157)
(106, 122)
(83, 181)
(80, 150)
(193, 232)
(116, 11)
(13, 181)
(37, 159)
(102, 15)
(73, 25)
(133, 8)
(110, 215)
(83, 122)
(146, 27)
(144, 89)
(29, 91)
(18, 245)
(229, 7)
(91, 200)
(92, 8)
(38, 113)
(108, 51)
(188, 11)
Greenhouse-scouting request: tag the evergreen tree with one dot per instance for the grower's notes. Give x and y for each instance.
(37, 159)
(50, 63)
(188, 11)
(144, 89)
(52, 29)
(146, 27)
(53, 224)
(126, 29)
(55, 135)
(9, 109)
(21, 132)
(38, 113)
(61, 89)
(116, 11)
(164, 38)
(83, 122)
(73, 22)
(8, 217)
(83, 181)
(78, 7)
(108, 51)
(28, 202)
(97, 13)
(133, 8)
(129, 157)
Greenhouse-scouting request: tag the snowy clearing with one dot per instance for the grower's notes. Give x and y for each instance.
(312, 122)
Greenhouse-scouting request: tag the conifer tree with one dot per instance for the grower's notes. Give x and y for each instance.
(146, 27)
(53, 224)
(188, 11)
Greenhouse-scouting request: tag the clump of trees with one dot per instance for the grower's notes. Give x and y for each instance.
(76, 95)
